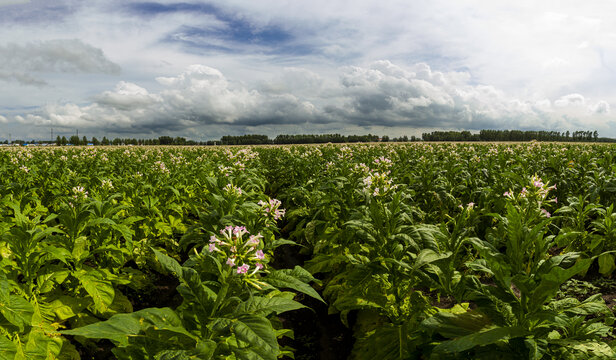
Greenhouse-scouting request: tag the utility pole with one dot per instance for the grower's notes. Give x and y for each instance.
(10, 141)
(51, 138)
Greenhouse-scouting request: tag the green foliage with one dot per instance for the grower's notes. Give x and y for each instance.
(442, 251)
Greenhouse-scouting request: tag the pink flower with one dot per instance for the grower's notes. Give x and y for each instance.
(212, 247)
(470, 205)
(507, 194)
(523, 192)
(213, 239)
(259, 266)
(254, 240)
(239, 230)
(231, 262)
(243, 269)
(546, 213)
(259, 254)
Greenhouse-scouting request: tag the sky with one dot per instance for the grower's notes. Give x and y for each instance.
(204, 69)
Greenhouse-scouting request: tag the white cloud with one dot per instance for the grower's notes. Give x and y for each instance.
(3, 120)
(602, 107)
(380, 95)
(575, 100)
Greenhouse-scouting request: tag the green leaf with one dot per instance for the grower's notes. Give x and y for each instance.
(606, 264)
(100, 289)
(427, 256)
(204, 350)
(66, 307)
(168, 263)
(481, 338)
(264, 306)
(551, 282)
(122, 328)
(8, 350)
(386, 342)
(194, 290)
(295, 279)
(17, 310)
(453, 325)
(258, 333)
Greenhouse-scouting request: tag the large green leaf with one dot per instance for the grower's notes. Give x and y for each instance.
(606, 264)
(17, 310)
(98, 287)
(259, 336)
(386, 342)
(264, 306)
(551, 282)
(169, 263)
(123, 328)
(482, 338)
(453, 325)
(296, 279)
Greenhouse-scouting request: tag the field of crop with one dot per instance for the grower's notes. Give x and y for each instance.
(380, 251)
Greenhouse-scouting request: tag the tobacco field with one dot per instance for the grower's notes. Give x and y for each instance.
(363, 251)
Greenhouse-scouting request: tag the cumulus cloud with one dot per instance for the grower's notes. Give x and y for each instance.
(3, 120)
(602, 107)
(382, 95)
(22, 62)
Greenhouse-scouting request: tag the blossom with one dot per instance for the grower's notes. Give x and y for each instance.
(259, 266)
(259, 254)
(212, 247)
(106, 184)
(243, 269)
(231, 261)
(79, 193)
(253, 240)
(470, 205)
(508, 194)
(545, 213)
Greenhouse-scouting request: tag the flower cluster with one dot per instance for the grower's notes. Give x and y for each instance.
(382, 162)
(161, 167)
(107, 185)
(271, 209)
(233, 190)
(378, 184)
(79, 193)
(537, 192)
(242, 254)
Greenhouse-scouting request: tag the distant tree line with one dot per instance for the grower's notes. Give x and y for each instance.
(254, 139)
(300, 139)
(515, 135)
